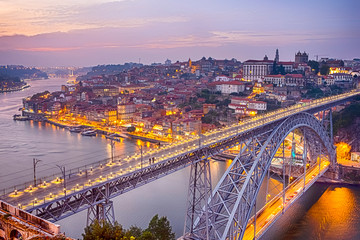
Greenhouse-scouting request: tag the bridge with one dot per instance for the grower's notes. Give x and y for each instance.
(230, 209)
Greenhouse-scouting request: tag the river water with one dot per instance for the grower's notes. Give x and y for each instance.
(325, 212)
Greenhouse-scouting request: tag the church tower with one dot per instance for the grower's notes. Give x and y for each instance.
(277, 56)
(189, 63)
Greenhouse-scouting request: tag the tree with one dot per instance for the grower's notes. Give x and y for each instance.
(131, 129)
(160, 228)
(146, 235)
(324, 69)
(314, 66)
(103, 231)
(133, 232)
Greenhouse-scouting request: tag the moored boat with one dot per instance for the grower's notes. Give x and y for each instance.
(75, 129)
(89, 133)
(18, 117)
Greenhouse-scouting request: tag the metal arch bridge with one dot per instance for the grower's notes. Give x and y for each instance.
(218, 215)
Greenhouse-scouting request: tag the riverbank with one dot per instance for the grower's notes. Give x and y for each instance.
(15, 88)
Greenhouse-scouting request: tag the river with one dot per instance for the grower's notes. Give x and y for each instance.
(326, 212)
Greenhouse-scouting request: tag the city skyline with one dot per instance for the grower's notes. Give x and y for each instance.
(85, 33)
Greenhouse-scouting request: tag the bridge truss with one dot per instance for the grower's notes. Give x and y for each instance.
(228, 207)
(226, 212)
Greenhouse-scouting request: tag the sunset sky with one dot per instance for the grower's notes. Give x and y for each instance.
(92, 32)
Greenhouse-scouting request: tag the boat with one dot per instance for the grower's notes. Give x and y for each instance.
(75, 129)
(89, 133)
(18, 117)
(123, 135)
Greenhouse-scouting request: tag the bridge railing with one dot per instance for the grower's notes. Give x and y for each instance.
(210, 137)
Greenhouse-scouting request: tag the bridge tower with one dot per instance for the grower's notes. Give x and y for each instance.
(102, 211)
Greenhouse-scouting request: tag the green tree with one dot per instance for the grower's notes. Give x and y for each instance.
(131, 129)
(146, 235)
(160, 228)
(103, 231)
(314, 65)
(324, 69)
(134, 232)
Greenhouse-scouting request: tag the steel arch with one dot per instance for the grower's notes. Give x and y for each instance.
(233, 198)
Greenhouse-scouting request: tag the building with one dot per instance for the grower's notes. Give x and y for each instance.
(286, 80)
(278, 80)
(126, 112)
(222, 78)
(257, 69)
(102, 91)
(355, 156)
(295, 80)
(230, 87)
(288, 66)
(208, 107)
(246, 104)
(342, 77)
(301, 57)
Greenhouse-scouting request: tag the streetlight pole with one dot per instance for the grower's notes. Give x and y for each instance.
(62, 169)
(141, 150)
(112, 150)
(35, 162)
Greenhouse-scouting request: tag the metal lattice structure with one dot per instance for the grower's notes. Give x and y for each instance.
(232, 200)
(237, 189)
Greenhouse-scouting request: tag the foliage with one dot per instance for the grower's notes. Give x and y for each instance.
(343, 151)
(278, 69)
(210, 117)
(134, 232)
(103, 231)
(6, 78)
(314, 65)
(239, 94)
(160, 228)
(21, 72)
(131, 129)
(40, 95)
(346, 117)
(324, 69)
(314, 92)
(209, 97)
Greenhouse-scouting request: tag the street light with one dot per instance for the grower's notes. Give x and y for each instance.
(62, 169)
(112, 144)
(35, 162)
(141, 151)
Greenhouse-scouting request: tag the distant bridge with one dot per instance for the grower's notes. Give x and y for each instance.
(220, 214)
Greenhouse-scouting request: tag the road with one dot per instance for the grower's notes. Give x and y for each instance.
(274, 208)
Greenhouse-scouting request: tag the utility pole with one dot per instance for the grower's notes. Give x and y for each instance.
(141, 149)
(35, 162)
(62, 169)
(112, 150)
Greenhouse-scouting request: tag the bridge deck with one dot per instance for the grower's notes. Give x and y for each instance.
(85, 187)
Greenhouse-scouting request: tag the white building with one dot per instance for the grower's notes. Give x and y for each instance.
(222, 78)
(240, 103)
(256, 69)
(342, 77)
(278, 80)
(258, 105)
(230, 87)
(288, 66)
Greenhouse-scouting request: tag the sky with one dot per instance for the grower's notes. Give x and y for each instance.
(91, 32)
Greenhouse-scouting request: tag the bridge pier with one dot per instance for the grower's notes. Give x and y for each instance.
(103, 211)
(198, 198)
